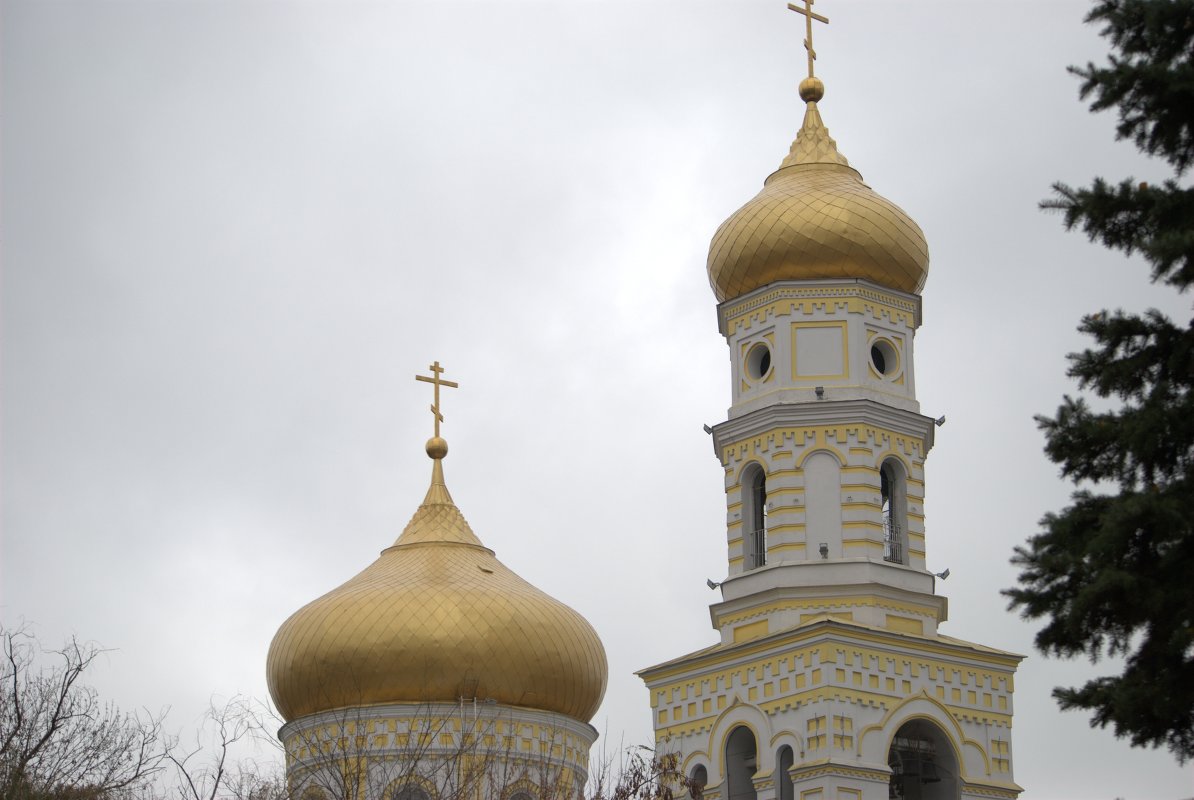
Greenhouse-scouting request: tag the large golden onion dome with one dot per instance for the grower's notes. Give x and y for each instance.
(816, 219)
(435, 618)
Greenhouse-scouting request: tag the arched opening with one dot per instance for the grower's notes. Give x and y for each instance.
(754, 516)
(698, 779)
(894, 511)
(410, 791)
(741, 763)
(923, 764)
(783, 766)
(521, 794)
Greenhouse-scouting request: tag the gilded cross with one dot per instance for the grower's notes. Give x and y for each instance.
(809, 16)
(437, 381)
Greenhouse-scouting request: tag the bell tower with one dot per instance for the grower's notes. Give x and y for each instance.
(830, 678)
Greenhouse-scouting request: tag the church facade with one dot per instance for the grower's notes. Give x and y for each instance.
(830, 678)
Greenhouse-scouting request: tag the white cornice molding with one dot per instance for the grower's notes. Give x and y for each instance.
(818, 413)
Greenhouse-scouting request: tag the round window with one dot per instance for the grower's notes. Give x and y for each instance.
(884, 358)
(758, 361)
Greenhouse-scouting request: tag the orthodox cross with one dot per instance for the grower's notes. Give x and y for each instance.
(809, 16)
(437, 381)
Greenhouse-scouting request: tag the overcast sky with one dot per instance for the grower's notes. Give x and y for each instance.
(234, 231)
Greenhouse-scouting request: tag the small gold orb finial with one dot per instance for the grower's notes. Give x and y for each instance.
(811, 89)
(437, 447)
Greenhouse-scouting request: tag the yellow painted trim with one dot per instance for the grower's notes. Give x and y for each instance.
(820, 446)
(905, 462)
(744, 350)
(848, 616)
(721, 747)
(1001, 664)
(852, 601)
(955, 737)
(798, 438)
(746, 465)
(897, 344)
(855, 470)
(785, 490)
(752, 630)
(905, 624)
(790, 302)
(844, 374)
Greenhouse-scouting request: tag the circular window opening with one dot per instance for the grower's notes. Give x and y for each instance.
(884, 358)
(758, 361)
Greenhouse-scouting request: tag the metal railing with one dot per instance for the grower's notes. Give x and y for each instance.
(893, 550)
(757, 556)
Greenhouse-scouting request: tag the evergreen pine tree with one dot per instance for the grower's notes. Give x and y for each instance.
(1113, 573)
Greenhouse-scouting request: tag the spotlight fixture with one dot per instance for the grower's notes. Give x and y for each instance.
(712, 584)
(943, 574)
(708, 430)
(820, 390)
(939, 421)
(824, 550)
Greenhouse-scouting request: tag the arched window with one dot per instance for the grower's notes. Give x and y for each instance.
(521, 794)
(754, 517)
(410, 791)
(698, 779)
(923, 764)
(784, 761)
(894, 511)
(741, 763)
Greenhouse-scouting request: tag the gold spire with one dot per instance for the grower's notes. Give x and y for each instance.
(813, 144)
(437, 447)
(437, 519)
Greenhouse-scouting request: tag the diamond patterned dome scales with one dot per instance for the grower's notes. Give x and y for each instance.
(436, 617)
(815, 219)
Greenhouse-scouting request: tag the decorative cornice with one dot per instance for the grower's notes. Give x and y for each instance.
(819, 290)
(822, 413)
(821, 632)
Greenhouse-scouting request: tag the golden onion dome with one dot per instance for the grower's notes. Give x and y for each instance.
(816, 219)
(435, 618)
